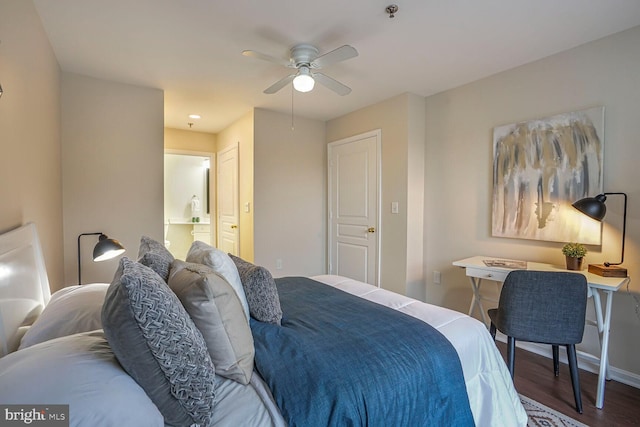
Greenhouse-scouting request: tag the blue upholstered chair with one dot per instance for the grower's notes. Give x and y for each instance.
(543, 307)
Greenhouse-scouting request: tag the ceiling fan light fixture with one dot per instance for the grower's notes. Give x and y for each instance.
(303, 82)
(304, 58)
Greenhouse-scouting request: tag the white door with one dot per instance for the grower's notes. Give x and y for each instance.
(354, 194)
(227, 197)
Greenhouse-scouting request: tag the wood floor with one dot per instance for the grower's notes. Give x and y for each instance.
(534, 378)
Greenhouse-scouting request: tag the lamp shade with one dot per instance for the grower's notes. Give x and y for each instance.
(303, 82)
(107, 248)
(593, 207)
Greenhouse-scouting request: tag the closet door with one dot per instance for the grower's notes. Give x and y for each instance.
(354, 188)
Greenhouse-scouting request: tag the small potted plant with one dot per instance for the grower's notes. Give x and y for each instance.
(574, 252)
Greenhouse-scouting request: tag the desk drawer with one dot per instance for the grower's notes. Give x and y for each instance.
(483, 273)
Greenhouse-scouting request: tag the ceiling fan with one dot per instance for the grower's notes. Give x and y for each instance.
(304, 58)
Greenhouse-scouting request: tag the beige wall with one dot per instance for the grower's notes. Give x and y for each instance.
(242, 133)
(189, 140)
(290, 194)
(30, 170)
(459, 154)
(401, 121)
(415, 197)
(112, 162)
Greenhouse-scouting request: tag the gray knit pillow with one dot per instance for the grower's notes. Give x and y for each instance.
(156, 342)
(261, 291)
(155, 256)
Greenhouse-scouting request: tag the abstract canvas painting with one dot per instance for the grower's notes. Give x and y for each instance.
(540, 167)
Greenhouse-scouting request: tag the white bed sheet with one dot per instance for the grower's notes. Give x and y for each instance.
(492, 396)
(245, 405)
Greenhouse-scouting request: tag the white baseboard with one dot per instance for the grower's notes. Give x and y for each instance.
(586, 361)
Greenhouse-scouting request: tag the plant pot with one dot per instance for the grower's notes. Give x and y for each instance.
(574, 263)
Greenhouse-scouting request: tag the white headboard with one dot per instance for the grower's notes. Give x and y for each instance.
(24, 286)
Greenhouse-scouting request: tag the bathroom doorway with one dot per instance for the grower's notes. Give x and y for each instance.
(189, 200)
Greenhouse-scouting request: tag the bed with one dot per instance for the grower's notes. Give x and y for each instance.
(288, 351)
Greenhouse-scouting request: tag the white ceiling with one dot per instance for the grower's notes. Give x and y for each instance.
(192, 49)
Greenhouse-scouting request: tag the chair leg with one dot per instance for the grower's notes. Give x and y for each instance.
(575, 378)
(556, 364)
(511, 354)
(492, 331)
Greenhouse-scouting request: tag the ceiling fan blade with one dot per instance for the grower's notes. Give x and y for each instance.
(340, 54)
(279, 84)
(332, 84)
(265, 57)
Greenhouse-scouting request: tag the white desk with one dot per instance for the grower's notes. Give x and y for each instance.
(476, 270)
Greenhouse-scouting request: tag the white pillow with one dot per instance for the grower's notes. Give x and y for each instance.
(80, 371)
(221, 263)
(71, 310)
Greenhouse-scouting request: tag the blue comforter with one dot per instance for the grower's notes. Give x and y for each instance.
(339, 360)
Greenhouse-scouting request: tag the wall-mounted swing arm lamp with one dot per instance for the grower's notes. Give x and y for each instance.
(105, 249)
(595, 208)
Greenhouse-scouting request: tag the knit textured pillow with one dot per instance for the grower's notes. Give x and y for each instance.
(261, 291)
(156, 342)
(155, 256)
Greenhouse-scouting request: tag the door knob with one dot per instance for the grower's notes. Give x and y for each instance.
(371, 230)
(234, 226)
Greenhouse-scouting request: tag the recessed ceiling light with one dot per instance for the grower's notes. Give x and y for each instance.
(194, 116)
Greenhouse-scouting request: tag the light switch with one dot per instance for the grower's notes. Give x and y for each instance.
(394, 207)
(247, 207)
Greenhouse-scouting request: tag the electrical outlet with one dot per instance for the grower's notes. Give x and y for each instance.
(279, 264)
(436, 277)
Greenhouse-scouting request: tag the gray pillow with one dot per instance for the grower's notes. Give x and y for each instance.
(261, 291)
(156, 342)
(216, 311)
(155, 256)
(219, 261)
